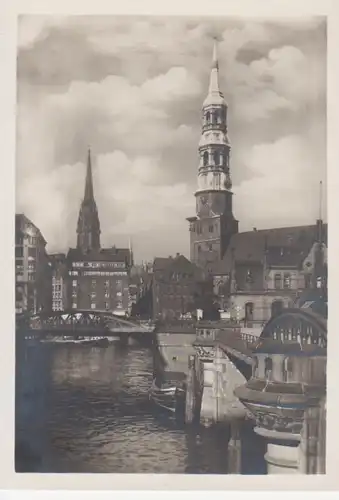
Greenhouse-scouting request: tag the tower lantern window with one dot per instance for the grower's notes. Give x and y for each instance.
(216, 157)
(205, 158)
(208, 117)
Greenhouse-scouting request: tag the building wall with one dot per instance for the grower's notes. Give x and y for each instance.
(99, 285)
(32, 270)
(172, 299)
(288, 278)
(261, 305)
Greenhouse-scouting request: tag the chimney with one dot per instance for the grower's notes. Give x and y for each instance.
(255, 229)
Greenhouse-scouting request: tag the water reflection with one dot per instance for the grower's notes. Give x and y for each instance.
(85, 409)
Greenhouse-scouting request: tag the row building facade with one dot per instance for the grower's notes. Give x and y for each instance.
(33, 276)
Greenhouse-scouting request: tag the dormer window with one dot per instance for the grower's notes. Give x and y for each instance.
(249, 276)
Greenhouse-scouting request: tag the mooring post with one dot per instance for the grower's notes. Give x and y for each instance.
(234, 448)
(190, 391)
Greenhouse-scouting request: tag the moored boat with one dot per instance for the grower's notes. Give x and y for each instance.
(168, 396)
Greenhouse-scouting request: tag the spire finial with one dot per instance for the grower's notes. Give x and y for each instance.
(89, 180)
(215, 63)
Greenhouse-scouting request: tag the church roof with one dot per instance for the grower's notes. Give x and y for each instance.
(286, 246)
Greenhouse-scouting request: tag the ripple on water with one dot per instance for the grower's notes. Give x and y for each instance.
(88, 411)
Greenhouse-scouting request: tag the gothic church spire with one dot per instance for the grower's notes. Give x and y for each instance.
(88, 229)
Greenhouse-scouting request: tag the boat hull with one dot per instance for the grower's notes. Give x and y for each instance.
(169, 398)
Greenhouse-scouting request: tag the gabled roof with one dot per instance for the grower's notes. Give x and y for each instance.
(286, 246)
(177, 264)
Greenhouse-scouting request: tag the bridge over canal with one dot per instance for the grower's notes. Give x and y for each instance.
(84, 323)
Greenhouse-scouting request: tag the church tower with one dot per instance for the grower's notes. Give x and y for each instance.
(88, 229)
(214, 224)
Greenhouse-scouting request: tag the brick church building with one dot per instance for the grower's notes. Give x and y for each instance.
(98, 277)
(255, 273)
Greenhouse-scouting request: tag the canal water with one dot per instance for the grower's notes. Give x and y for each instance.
(85, 409)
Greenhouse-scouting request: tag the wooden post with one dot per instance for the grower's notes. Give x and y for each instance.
(234, 448)
(190, 391)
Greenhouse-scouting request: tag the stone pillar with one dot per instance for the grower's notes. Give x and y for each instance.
(309, 441)
(322, 438)
(190, 391)
(282, 456)
(234, 448)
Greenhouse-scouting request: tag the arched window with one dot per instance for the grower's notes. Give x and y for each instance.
(208, 117)
(277, 281)
(287, 280)
(215, 116)
(216, 157)
(205, 158)
(249, 309)
(276, 307)
(268, 368)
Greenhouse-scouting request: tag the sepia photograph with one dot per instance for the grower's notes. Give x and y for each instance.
(171, 245)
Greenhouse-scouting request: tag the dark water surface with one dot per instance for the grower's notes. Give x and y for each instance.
(85, 409)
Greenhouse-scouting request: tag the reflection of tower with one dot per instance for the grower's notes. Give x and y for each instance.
(88, 229)
(214, 224)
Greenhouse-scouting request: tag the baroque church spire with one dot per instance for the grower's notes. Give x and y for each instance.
(214, 224)
(88, 229)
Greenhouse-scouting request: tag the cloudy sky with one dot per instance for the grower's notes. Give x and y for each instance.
(132, 89)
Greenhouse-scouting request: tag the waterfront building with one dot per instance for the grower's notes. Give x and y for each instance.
(175, 285)
(98, 277)
(32, 268)
(255, 273)
(60, 281)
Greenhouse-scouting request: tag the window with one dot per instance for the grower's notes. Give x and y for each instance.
(255, 366)
(205, 158)
(93, 295)
(287, 280)
(210, 228)
(107, 283)
(277, 281)
(94, 283)
(74, 305)
(249, 276)
(276, 307)
(308, 281)
(210, 247)
(288, 369)
(93, 305)
(268, 368)
(106, 305)
(106, 295)
(199, 248)
(249, 308)
(216, 157)
(208, 117)
(74, 283)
